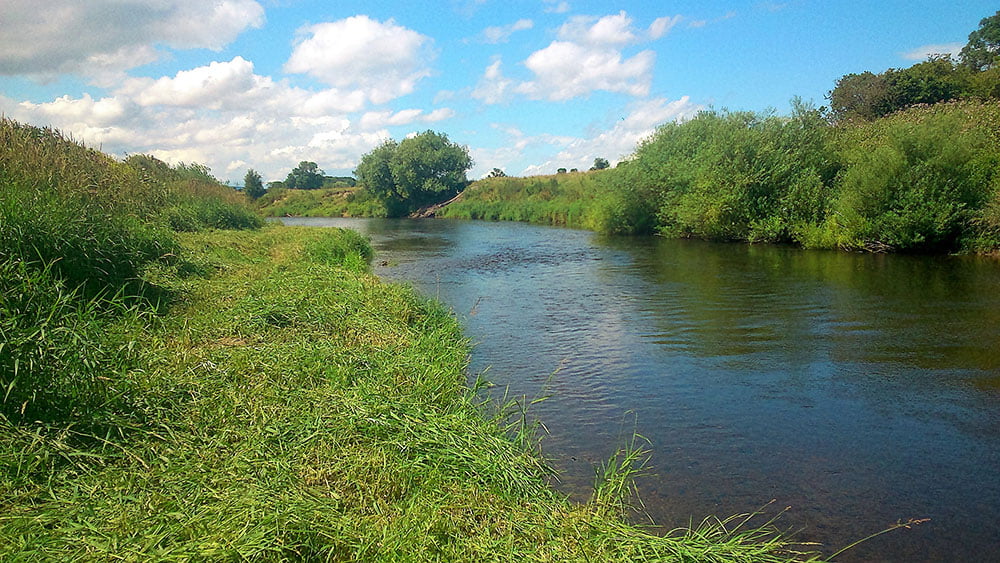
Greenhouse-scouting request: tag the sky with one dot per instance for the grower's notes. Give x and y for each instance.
(529, 86)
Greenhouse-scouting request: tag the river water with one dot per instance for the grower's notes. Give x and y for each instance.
(860, 390)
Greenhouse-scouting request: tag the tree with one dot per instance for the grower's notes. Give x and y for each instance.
(561, 171)
(496, 173)
(252, 184)
(864, 95)
(600, 164)
(419, 171)
(305, 176)
(982, 52)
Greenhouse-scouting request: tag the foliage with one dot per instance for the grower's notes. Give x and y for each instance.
(983, 49)
(324, 202)
(305, 176)
(562, 199)
(253, 187)
(600, 164)
(419, 171)
(916, 181)
(496, 173)
(921, 180)
(291, 406)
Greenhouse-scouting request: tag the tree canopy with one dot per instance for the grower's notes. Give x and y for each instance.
(253, 186)
(982, 52)
(975, 74)
(305, 176)
(416, 172)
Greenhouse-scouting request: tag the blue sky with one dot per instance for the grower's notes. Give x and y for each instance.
(528, 85)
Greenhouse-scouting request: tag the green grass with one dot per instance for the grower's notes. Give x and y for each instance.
(323, 202)
(570, 199)
(290, 406)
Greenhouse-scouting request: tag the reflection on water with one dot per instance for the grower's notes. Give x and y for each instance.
(857, 389)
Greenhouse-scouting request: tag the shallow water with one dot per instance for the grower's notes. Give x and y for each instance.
(857, 389)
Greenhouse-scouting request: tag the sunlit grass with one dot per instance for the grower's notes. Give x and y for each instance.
(291, 406)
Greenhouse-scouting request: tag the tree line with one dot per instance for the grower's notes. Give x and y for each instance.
(973, 74)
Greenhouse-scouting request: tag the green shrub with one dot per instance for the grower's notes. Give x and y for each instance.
(914, 182)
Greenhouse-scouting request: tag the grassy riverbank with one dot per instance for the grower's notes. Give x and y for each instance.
(178, 383)
(322, 202)
(926, 179)
(289, 405)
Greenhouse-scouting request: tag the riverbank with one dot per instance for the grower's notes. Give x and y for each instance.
(290, 405)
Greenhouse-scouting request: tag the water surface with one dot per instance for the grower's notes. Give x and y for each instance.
(857, 389)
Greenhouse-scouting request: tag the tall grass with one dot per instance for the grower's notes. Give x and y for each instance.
(291, 406)
(563, 199)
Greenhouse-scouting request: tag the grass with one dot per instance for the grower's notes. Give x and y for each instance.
(179, 384)
(290, 406)
(323, 202)
(569, 199)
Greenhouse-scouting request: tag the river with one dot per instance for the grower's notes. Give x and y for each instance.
(857, 389)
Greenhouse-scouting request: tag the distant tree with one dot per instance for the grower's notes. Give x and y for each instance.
(600, 164)
(276, 185)
(934, 80)
(252, 184)
(864, 95)
(496, 173)
(574, 169)
(561, 171)
(418, 171)
(305, 176)
(982, 52)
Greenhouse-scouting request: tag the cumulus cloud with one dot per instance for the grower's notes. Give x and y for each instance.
(493, 87)
(502, 33)
(565, 70)
(375, 120)
(225, 115)
(589, 30)
(100, 39)
(382, 60)
(926, 51)
(586, 56)
(620, 140)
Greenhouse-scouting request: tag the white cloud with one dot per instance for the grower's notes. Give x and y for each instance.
(565, 70)
(225, 115)
(926, 51)
(501, 34)
(589, 30)
(662, 26)
(100, 39)
(493, 87)
(380, 59)
(621, 140)
(380, 119)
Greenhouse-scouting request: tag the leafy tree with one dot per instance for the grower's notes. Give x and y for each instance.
(419, 171)
(252, 184)
(305, 176)
(561, 171)
(864, 95)
(600, 164)
(496, 173)
(982, 52)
